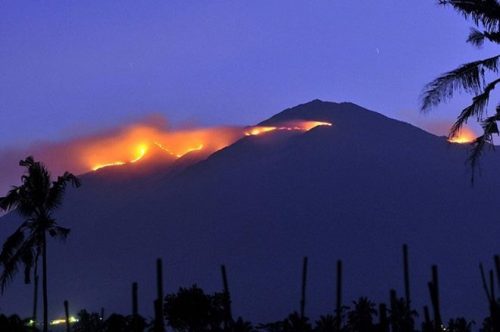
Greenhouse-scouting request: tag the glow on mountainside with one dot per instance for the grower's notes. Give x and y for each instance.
(133, 144)
(178, 155)
(465, 135)
(289, 126)
(140, 153)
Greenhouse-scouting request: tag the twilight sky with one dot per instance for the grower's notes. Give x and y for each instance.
(71, 67)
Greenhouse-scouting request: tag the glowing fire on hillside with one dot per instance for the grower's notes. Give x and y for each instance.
(289, 126)
(465, 135)
(134, 143)
(139, 154)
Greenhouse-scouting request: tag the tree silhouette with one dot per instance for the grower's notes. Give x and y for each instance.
(241, 325)
(35, 200)
(326, 323)
(191, 310)
(360, 317)
(472, 77)
(117, 323)
(14, 323)
(88, 322)
(459, 325)
(295, 322)
(401, 317)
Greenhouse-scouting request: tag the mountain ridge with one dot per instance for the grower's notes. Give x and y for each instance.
(354, 191)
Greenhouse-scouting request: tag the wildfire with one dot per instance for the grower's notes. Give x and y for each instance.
(140, 153)
(289, 126)
(135, 143)
(258, 130)
(465, 135)
(178, 155)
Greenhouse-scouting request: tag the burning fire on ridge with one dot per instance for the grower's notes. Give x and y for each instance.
(133, 144)
(297, 125)
(465, 135)
(148, 141)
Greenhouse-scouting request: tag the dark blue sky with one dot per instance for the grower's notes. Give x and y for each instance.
(70, 67)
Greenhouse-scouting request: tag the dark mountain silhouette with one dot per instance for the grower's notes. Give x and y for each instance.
(356, 190)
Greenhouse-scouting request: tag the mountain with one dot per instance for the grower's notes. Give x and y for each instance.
(356, 190)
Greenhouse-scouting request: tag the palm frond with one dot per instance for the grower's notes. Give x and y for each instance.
(485, 12)
(38, 183)
(10, 246)
(490, 127)
(468, 78)
(477, 108)
(477, 37)
(59, 187)
(59, 232)
(27, 162)
(11, 200)
(11, 266)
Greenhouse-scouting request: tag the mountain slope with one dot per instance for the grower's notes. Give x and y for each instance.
(356, 190)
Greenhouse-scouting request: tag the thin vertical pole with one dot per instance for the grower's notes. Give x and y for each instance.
(35, 297)
(159, 323)
(434, 289)
(338, 311)
(303, 293)
(66, 312)
(135, 302)
(228, 312)
(406, 275)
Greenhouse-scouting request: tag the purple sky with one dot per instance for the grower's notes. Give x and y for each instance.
(73, 67)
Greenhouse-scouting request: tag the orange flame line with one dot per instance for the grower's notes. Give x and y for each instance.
(142, 149)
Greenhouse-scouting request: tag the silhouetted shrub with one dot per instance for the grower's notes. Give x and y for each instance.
(190, 310)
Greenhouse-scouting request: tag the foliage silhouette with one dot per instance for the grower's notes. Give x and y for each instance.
(459, 325)
(326, 323)
(295, 322)
(472, 77)
(35, 200)
(14, 323)
(360, 317)
(88, 322)
(191, 310)
(401, 317)
(116, 322)
(241, 325)
(93, 322)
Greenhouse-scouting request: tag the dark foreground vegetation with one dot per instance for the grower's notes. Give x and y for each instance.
(193, 310)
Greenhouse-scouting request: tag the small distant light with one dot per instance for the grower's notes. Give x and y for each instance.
(72, 319)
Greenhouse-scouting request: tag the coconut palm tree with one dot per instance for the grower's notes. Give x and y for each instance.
(360, 317)
(35, 200)
(477, 78)
(460, 325)
(326, 323)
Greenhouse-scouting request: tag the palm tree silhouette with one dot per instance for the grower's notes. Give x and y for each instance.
(326, 323)
(471, 77)
(35, 200)
(360, 317)
(295, 322)
(401, 316)
(460, 325)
